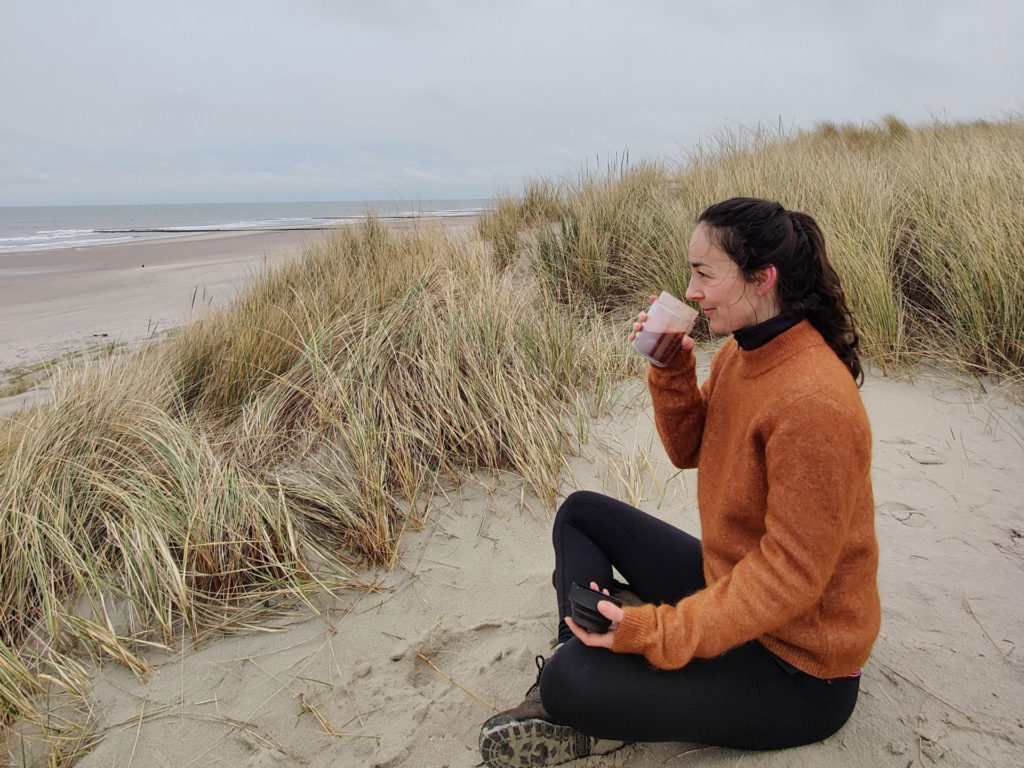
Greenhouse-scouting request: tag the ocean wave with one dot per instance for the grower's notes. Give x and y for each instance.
(30, 244)
(42, 228)
(46, 235)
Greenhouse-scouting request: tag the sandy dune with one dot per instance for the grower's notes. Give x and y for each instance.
(403, 675)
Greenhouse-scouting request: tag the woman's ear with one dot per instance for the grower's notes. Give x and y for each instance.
(765, 279)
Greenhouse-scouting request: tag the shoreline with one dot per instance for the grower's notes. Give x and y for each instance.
(44, 228)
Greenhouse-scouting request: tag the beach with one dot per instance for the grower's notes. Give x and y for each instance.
(403, 671)
(75, 301)
(58, 301)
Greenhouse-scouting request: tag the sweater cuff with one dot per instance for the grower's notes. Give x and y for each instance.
(633, 629)
(684, 364)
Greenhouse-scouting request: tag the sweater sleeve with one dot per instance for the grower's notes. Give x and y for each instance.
(811, 483)
(679, 410)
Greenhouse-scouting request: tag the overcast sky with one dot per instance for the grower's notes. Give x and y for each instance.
(121, 101)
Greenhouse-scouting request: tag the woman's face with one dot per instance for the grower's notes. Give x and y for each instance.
(716, 283)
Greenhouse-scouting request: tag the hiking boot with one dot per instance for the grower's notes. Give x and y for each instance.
(527, 736)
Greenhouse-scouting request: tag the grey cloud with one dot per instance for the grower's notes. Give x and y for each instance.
(110, 100)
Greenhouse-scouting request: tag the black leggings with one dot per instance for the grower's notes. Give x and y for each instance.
(746, 698)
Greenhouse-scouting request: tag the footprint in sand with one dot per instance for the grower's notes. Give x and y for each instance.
(922, 454)
(903, 513)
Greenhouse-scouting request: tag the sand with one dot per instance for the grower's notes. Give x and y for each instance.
(404, 675)
(57, 301)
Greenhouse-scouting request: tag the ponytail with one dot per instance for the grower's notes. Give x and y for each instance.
(759, 233)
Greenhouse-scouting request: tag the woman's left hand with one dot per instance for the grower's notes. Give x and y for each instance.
(607, 609)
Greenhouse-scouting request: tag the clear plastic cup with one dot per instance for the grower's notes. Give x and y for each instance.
(668, 321)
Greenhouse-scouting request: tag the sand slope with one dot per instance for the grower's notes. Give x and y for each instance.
(403, 675)
(412, 669)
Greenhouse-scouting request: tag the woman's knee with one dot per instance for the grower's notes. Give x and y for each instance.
(591, 690)
(561, 684)
(575, 503)
(566, 513)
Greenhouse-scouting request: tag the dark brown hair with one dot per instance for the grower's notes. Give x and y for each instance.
(760, 233)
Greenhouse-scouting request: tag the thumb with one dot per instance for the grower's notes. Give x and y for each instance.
(610, 610)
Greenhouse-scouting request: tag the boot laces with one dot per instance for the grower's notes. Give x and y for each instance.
(539, 660)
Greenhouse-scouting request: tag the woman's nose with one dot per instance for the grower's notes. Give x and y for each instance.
(692, 294)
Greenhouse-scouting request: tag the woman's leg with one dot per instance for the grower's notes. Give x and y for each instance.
(594, 533)
(743, 699)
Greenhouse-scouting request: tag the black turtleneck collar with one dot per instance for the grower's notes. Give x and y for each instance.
(758, 335)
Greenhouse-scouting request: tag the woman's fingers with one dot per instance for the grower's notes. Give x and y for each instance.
(593, 639)
(577, 630)
(638, 325)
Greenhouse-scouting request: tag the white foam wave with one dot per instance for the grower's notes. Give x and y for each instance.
(51, 245)
(41, 229)
(46, 236)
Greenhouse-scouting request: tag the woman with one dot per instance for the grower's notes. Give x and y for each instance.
(754, 636)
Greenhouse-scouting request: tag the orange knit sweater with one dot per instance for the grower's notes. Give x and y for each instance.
(783, 449)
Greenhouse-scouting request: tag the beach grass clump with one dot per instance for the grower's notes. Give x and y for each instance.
(225, 359)
(432, 383)
(619, 237)
(278, 444)
(922, 224)
(124, 525)
(960, 253)
(513, 215)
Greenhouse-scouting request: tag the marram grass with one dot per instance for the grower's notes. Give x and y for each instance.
(284, 443)
(923, 226)
(279, 445)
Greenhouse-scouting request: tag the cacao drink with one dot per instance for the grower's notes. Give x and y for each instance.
(668, 321)
(658, 346)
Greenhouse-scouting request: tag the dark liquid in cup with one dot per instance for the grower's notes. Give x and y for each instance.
(658, 346)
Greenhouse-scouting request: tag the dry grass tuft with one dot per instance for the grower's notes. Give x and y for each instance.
(276, 445)
(923, 224)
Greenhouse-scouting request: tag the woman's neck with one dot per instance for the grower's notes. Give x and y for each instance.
(754, 336)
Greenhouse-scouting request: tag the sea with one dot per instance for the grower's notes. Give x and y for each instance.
(43, 228)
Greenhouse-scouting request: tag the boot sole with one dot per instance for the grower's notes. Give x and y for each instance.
(533, 742)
